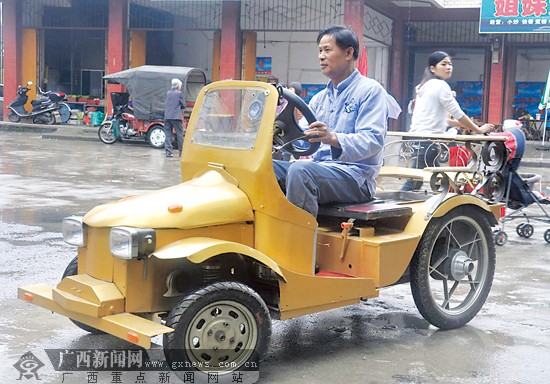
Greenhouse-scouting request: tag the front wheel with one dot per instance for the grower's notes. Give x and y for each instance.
(13, 117)
(72, 270)
(156, 136)
(501, 238)
(220, 328)
(106, 133)
(453, 267)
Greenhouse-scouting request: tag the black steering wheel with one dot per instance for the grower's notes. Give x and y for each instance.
(287, 132)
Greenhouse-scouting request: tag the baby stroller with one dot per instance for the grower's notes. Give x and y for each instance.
(519, 192)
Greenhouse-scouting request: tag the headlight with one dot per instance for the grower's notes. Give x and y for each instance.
(74, 231)
(132, 243)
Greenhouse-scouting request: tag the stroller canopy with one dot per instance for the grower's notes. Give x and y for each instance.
(515, 143)
(148, 85)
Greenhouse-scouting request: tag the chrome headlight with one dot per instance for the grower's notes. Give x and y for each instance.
(74, 231)
(132, 243)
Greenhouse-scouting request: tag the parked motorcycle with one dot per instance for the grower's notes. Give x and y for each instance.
(124, 126)
(43, 110)
(58, 99)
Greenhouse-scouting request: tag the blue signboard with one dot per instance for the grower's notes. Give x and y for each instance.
(309, 90)
(514, 16)
(263, 65)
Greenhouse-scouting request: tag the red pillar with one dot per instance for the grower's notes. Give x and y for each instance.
(396, 81)
(496, 92)
(117, 43)
(354, 13)
(12, 49)
(230, 60)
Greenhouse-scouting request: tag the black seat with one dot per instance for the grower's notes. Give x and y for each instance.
(371, 210)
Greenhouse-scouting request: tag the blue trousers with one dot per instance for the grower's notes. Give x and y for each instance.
(178, 127)
(308, 184)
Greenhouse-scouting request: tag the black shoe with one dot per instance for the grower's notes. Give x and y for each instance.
(169, 155)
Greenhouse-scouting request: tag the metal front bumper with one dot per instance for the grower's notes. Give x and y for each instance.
(92, 309)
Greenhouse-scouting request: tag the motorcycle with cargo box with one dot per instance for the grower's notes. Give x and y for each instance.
(147, 86)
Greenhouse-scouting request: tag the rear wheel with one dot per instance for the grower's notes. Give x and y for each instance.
(527, 230)
(519, 229)
(72, 270)
(64, 113)
(14, 117)
(47, 118)
(220, 328)
(156, 136)
(453, 267)
(50, 119)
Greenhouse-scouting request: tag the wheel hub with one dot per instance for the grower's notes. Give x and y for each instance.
(219, 336)
(460, 265)
(222, 333)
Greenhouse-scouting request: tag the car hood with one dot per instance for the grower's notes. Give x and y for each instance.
(207, 200)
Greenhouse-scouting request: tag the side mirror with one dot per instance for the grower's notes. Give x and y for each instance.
(29, 82)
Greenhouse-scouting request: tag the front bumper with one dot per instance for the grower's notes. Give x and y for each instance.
(96, 303)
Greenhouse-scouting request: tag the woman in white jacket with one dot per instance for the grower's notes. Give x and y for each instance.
(434, 103)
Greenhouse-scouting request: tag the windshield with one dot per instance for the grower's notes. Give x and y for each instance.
(230, 117)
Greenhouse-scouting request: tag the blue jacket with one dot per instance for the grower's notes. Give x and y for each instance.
(357, 111)
(174, 105)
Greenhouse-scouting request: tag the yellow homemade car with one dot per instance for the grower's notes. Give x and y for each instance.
(209, 262)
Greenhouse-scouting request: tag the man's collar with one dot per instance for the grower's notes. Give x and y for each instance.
(344, 83)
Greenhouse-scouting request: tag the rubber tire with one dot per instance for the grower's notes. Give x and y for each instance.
(420, 278)
(151, 132)
(49, 119)
(501, 238)
(184, 312)
(72, 270)
(64, 112)
(527, 230)
(547, 235)
(112, 138)
(13, 117)
(519, 229)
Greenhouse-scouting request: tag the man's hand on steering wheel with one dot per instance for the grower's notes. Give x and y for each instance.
(288, 135)
(318, 132)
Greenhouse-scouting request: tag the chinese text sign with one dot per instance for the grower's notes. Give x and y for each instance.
(514, 16)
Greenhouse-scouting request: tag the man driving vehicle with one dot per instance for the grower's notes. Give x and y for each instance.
(352, 114)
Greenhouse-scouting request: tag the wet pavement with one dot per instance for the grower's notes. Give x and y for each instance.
(385, 340)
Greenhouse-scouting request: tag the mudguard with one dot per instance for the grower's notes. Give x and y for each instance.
(200, 249)
(418, 222)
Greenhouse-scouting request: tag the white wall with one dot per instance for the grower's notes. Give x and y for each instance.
(294, 56)
(194, 49)
(533, 64)
(378, 61)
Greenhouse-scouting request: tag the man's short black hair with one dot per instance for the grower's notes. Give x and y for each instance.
(344, 37)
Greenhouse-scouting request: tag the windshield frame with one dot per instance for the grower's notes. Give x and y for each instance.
(230, 117)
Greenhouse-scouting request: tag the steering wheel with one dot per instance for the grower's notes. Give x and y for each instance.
(287, 132)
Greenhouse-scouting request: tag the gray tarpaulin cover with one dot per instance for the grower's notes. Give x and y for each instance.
(148, 85)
